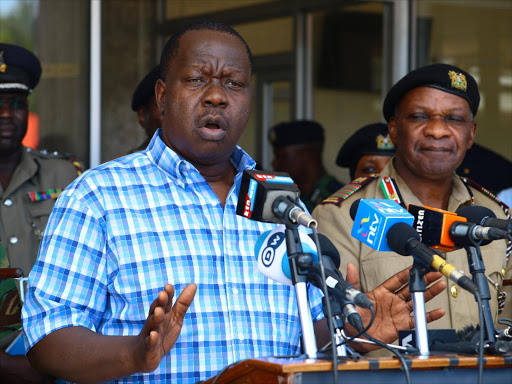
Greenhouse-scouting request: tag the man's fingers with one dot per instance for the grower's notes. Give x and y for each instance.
(352, 275)
(397, 280)
(164, 297)
(435, 314)
(432, 276)
(183, 302)
(434, 290)
(169, 289)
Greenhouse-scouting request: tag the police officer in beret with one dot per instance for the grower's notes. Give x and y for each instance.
(430, 114)
(298, 147)
(144, 103)
(30, 181)
(367, 151)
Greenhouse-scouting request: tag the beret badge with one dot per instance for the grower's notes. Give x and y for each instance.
(384, 143)
(3, 66)
(458, 80)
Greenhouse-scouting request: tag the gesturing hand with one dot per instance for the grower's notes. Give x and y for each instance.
(393, 304)
(163, 326)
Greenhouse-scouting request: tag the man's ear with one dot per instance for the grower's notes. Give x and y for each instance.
(472, 134)
(140, 116)
(160, 95)
(393, 135)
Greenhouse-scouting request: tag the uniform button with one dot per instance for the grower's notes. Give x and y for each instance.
(235, 291)
(454, 291)
(44, 152)
(8, 202)
(13, 240)
(55, 153)
(503, 272)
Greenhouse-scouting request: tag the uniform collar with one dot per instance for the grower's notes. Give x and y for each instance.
(459, 193)
(181, 170)
(26, 169)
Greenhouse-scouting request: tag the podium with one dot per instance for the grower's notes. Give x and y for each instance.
(438, 369)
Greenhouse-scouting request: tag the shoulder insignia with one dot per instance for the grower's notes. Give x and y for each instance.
(43, 153)
(348, 190)
(44, 195)
(491, 196)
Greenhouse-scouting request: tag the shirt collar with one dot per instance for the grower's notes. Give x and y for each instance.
(459, 193)
(181, 170)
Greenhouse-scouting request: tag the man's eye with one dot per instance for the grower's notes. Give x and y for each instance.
(233, 83)
(454, 119)
(370, 169)
(195, 80)
(418, 117)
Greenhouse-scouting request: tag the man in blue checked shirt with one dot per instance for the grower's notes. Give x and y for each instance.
(128, 234)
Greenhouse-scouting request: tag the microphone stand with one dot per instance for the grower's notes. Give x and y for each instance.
(477, 269)
(299, 265)
(417, 288)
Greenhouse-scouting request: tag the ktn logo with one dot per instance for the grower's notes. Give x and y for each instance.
(269, 252)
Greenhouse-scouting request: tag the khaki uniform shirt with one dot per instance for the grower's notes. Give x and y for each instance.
(22, 220)
(375, 267)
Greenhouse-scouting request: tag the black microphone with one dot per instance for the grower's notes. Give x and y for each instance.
(334, 279)
(485, 217)
(404, 240)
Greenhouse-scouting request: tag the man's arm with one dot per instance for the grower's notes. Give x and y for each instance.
(80, 355)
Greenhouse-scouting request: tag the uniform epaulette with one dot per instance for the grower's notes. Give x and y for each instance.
(43, 153)
(348, 190)
(489, 194)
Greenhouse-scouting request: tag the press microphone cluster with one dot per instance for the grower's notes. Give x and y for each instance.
(447, 231)
(392, 231)
(270, 249)
(272, 198)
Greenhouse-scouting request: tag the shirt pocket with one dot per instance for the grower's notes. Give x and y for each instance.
(379, 267)
(38, 214)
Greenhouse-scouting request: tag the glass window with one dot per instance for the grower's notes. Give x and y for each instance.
(188, 8)
(347, 75)
(477, 37)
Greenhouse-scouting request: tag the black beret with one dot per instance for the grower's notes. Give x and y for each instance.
(372, 139)
(296, 132)
(445, 77)
(146, 89)
(20, 69)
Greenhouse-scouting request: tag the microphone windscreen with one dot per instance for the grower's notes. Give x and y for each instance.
(399, 235)
(475, 214)
(353, 208)
(328, 249)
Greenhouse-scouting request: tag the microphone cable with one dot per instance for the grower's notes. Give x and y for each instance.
(481, 343)
(330, 321)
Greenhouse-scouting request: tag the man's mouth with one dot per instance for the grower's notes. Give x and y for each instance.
(212, 128)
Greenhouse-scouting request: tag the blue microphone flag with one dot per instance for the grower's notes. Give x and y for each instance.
(373, 219)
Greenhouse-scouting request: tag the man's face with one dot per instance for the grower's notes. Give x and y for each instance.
(370, 164)
(432, 131)
(13, 121)
(149, 117)
(289, 159)
(206, 96)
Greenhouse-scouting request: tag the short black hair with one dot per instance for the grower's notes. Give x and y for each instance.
(173, 44)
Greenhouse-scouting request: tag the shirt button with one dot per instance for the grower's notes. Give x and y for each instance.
(241, 337)
(228, 245)
(235, 291)
(454, 291)
(8, 202)
(13, 240)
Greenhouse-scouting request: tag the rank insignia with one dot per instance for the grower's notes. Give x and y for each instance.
(384, 143)
(3, 66)
(44, 195)
(458, 80)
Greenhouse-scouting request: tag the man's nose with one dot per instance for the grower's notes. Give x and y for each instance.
(437, 127)
(215, 95)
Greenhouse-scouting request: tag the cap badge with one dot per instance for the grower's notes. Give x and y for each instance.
(3, 66)
(458, 80)
(384, 143)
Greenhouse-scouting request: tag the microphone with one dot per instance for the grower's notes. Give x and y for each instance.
(273, 262)
(373, 218)
(485, 217)
(271, 198)
(447, 231)
(404, 240)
